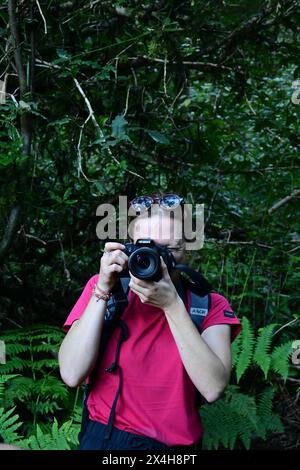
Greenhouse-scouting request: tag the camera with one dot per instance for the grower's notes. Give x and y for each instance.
(144, 259)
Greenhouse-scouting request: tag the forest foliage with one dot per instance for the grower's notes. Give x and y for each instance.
(107, 98)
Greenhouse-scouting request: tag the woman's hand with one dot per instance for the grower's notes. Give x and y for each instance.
(161, 294)
(112, 262)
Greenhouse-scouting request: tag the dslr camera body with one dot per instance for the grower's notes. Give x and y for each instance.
(144, 259)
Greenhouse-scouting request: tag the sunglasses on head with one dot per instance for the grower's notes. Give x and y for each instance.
(169, 201)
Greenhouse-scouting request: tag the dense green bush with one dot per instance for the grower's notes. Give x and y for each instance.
(33, 397)
(106, 98)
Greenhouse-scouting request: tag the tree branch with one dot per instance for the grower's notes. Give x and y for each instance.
(25, 116)
(283, 201)
(97, 127)
(14, 29)
(242, 31)
(206, 66)
(9, 231)
(26, 128)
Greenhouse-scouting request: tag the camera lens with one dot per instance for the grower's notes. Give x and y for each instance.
(144, 263)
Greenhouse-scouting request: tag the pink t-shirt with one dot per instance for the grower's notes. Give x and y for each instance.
(157, 398)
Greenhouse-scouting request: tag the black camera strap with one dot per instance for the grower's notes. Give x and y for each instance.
(196, 279)
(115, 307)
(113, 368)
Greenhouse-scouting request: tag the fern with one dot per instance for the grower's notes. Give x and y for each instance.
(48, 391)
(30, 351)
(232, 421)
(247, 343)
(235, 349)
(3, 380)
(263, 357)
(64, 437)
(45, 407)
(76, 414)
(238, 418)
(266, 420)
(8, 425)
(21, 388)
(12, 365)
(280, 359)
(261, 354)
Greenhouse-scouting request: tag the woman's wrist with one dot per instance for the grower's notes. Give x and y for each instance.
(104, 285)
(101, 293)
(174, 305)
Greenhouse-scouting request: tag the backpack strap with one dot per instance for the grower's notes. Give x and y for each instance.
(200, 299)
(115, 307)
(125, 284)
(199, 307)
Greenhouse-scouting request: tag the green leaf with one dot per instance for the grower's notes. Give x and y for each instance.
(24, 105)
(158, 137)
(118, 126)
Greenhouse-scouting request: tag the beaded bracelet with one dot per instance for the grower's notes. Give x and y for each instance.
(100, 294)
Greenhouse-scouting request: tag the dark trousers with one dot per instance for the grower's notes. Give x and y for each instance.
(93, 439)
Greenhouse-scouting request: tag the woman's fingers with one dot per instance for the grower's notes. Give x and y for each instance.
(117, 257)
(141, 283)
(115, 268)
(110, 246)
(112, 261)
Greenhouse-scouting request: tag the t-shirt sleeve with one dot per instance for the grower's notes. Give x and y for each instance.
(81, 303)
(221, 312)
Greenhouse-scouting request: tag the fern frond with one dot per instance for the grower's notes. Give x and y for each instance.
(280, 358)
(32, 331)
(9, 424)
(19, 364)
(58, 438)
(20, 388)
(267, 421)
(45, 407)
(13, 348)
(46, 347)
(238, 417)
(39, 365)
(223, 426)
(3, 380)
(76, 415)
(51, 387)
(235, 350)
(243, 404)
(14, 364)
(261, 354)
(247, 343)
